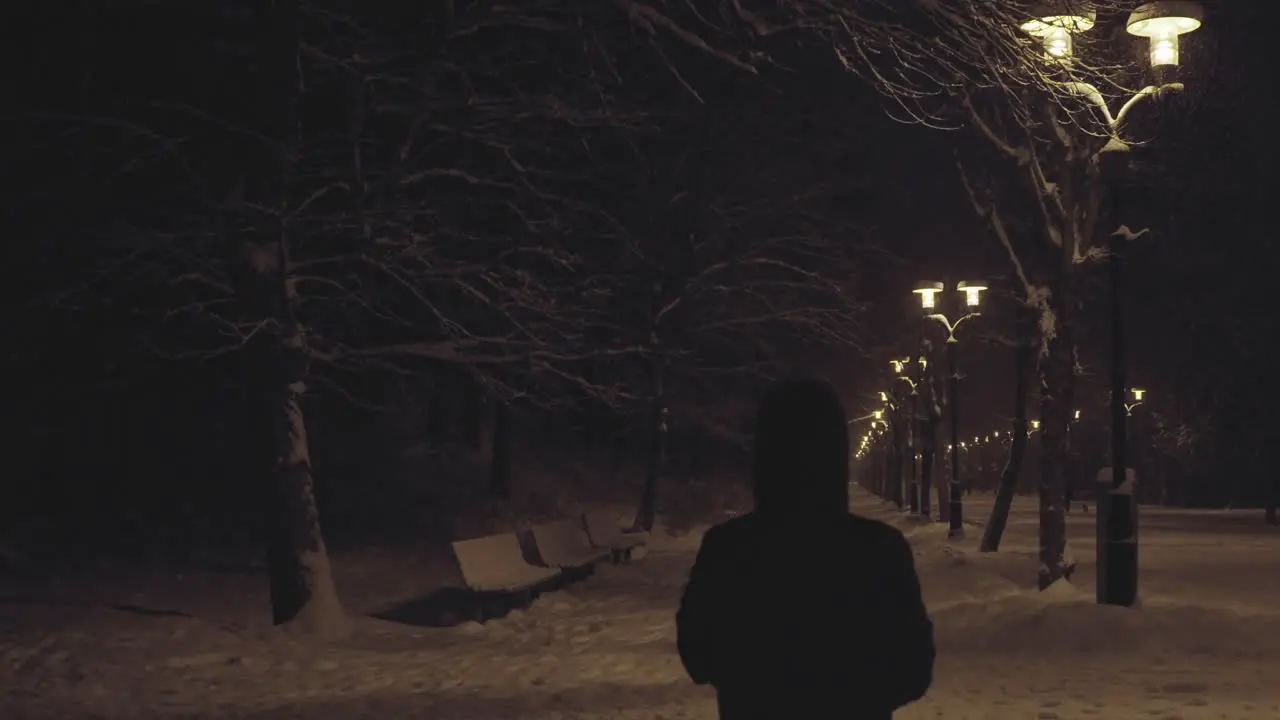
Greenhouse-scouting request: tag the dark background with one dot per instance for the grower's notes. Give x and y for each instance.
(109, 446)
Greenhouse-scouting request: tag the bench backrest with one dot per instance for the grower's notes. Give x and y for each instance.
(490, 561)
(563, 542)
(603, 529)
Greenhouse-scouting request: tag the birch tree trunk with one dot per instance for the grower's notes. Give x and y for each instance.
(303, 595)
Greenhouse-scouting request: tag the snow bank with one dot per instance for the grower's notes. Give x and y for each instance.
(1066, 621)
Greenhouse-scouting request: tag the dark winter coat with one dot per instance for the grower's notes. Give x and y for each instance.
(801, 609)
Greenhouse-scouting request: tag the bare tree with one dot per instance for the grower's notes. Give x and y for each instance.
(391, 209)
(725, 275)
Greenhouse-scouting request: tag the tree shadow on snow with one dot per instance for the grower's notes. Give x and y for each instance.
(445, 607)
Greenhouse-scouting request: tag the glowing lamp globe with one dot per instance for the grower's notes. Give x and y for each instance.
(972, 293)
(1162, 22)
(1138, 393)
(1054, 24)
(1035, 424)
(928, 293)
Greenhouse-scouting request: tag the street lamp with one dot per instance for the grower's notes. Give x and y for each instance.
(1055, 26)
(929, 293)
(1138, 393)
(1162, 23)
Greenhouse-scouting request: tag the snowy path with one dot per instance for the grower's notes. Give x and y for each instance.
(605, 648)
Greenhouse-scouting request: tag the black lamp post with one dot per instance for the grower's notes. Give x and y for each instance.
(971, 293)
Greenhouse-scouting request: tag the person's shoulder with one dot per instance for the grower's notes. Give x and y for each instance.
(734, 526)
(875, 531)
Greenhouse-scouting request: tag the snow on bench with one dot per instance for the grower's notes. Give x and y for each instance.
(495, 563)
(564, 544)
(604, 532)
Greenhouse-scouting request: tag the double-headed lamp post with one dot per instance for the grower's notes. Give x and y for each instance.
(1162, 23)
(971, 292)
(1138, 394)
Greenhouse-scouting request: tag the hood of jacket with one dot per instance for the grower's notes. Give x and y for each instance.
(801, 450)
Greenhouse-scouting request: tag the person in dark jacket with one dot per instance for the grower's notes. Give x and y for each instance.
(801, 609)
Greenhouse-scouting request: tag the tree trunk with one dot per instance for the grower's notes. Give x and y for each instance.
(1057, 384)
(896, 464)
(1024, 363)
(926, 480)
(476, 417)
(1054, 403)
(303, 595)
(1270, 489)
(500, 452)
(944, 494)
(302, 588)
(438, 407)
(648, 510)
(697, 454)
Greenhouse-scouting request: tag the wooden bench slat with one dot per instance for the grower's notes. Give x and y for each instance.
(564, 544)
(495, 563)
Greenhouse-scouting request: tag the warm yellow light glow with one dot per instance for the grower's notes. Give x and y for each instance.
(1165, 18)
(1035, 424)
(1058, 43)
(1138, 393)
(1055, 28)
(884, 397)
(928, 293)
(1164, 50)
(1077, 415)
(972, 293)
(879, 413)
(1162, 22)
(897, 365)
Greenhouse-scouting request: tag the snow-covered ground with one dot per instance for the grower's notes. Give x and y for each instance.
(1206, 643)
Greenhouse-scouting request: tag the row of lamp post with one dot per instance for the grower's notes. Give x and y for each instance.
(1055, 24)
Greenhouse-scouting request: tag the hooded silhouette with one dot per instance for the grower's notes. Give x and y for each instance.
(801, 609)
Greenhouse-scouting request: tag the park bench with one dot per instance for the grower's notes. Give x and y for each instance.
(604, 532)
(494, 568)
(564, 544)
